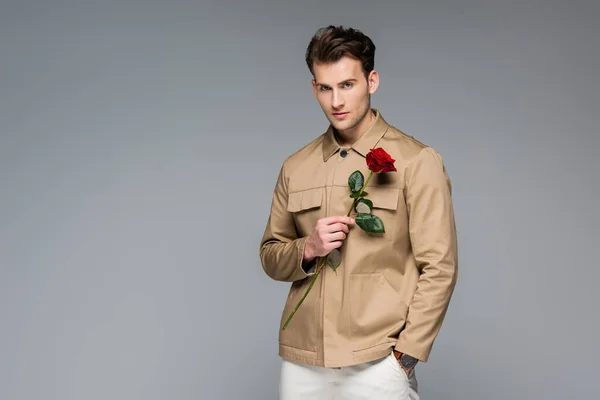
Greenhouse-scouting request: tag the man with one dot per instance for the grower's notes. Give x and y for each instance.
(363, 327)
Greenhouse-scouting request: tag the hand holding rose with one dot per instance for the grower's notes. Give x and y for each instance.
(328, 234)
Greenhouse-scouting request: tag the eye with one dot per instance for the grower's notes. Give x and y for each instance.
(347, 85)
(323, 88)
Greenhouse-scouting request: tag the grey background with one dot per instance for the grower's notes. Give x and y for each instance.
(140, 143)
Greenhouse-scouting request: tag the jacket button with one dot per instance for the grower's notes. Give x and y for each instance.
(343, 153)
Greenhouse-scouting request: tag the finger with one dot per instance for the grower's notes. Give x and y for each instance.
(340, 228)
(337, 219)
(335, 236)
(333, 245)
(341, 235)
(336, 228)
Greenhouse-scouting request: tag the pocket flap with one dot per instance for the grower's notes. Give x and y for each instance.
(383, 197)
(305, 199)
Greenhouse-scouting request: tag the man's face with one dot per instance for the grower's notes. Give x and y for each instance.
(344, 94)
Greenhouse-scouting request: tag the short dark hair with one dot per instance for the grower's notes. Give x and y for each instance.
(331, 43)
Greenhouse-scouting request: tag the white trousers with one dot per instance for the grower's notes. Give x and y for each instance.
(381, 379)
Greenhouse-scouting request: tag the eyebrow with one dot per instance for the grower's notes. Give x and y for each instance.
(344, 81)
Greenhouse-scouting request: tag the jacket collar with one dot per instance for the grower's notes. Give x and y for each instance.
(364, 144)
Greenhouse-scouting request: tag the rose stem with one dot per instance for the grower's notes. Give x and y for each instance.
(305, 294)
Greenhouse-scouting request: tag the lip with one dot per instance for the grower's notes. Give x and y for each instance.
(340, 115)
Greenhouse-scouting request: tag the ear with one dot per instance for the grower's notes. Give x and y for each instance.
(314, 87)
(373, 81)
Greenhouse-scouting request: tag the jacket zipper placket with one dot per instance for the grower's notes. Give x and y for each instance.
(328, 194)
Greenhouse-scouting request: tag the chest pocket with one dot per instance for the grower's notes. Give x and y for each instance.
(387, 207)
(306, 206)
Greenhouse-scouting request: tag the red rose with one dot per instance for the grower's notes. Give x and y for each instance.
(378, 160)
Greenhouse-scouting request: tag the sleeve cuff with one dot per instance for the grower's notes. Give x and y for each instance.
(305, 269)
(414, 351)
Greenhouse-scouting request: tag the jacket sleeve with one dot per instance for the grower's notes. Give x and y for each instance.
(281, 250)
(434, 243)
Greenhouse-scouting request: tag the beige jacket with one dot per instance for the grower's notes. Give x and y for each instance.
(391, 290)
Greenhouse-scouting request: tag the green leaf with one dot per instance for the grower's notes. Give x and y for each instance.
(355, 195)
(356, 181)
(370, 223)
(334, 259)
(364, 206)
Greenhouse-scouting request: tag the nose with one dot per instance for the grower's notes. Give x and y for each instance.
(337, 100)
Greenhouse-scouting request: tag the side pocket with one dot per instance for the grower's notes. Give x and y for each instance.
(396, 366)
(376, 310)
(301, 332)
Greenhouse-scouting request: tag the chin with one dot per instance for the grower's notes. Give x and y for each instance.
(342, 126)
